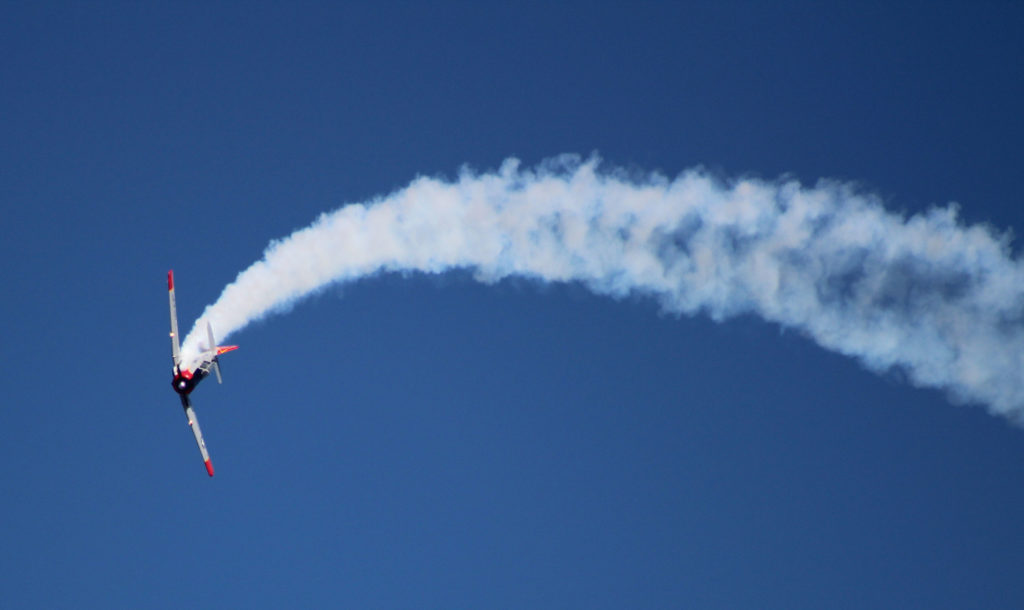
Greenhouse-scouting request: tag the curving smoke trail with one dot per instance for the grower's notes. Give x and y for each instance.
(942, 301)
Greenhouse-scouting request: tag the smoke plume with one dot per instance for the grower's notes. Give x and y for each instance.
(939, 300)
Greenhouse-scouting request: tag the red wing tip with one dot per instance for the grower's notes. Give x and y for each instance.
(209, 467)
(170, 279)
(223, 349)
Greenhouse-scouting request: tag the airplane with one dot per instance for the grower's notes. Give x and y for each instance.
(187, 375)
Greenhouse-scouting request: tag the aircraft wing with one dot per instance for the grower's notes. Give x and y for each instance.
(175, 345)
(194, 424)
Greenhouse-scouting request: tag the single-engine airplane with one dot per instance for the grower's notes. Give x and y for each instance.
(187, 375)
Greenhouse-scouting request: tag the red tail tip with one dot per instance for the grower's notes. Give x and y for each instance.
(209, 467)
(170, 279)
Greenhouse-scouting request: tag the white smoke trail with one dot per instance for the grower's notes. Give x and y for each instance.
(941, 301)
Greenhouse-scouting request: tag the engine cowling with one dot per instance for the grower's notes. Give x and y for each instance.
(184, 383)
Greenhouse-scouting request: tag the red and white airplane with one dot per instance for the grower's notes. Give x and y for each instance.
(187, 375)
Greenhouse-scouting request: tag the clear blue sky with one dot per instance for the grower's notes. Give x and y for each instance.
(413, 442)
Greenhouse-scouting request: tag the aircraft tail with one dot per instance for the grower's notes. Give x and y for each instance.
(215, 350)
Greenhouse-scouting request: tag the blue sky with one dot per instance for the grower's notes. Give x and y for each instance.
(412, 441)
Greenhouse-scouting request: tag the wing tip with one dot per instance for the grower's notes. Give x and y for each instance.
(209, 467)
(170, 280)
